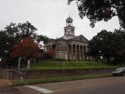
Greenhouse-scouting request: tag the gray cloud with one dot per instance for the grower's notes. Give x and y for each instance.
(49, 16)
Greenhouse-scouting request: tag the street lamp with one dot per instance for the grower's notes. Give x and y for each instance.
(19, 61)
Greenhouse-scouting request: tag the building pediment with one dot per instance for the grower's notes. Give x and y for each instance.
(80, 38)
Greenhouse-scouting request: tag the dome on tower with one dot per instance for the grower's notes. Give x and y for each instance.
(69, 20)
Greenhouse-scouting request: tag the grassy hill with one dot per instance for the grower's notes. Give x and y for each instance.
(69, 65)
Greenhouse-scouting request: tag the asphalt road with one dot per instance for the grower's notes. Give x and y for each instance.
(112, 85)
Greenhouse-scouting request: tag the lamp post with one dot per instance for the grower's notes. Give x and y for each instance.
(28, 64)
(0, 59)
(19, 61)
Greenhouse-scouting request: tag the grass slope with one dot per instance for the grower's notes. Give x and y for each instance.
(68, 65)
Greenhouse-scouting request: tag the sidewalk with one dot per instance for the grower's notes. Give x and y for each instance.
(4, 82)
(5, 87)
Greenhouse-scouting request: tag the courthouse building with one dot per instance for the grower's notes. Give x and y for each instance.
(69, 47)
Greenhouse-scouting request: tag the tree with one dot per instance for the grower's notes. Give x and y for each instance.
(19, 31)
(98, 10)
(109, 45)
(26, 30)
(52, 53)
(14, 33)
(103, 44)
(49, 55)
(6, 42)
(120, 40)
(42, 38)
(27, 49)
(121, 54)
(3, 47)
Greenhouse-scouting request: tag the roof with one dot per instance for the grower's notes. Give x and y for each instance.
(69, 20)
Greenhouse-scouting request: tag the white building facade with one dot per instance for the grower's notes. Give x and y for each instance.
(69, 47)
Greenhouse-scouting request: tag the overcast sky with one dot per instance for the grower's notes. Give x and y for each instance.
(49, 16)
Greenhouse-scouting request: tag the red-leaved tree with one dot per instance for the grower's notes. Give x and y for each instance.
(52, 53)
(27, 49)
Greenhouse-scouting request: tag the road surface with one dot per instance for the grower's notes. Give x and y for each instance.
(111, 85)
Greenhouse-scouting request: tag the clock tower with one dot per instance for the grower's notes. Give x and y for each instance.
(69, 29)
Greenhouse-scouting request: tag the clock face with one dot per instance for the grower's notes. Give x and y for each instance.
(68, 29)
(68, 32)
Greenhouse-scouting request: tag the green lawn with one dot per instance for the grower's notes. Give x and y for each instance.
(68, 65)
